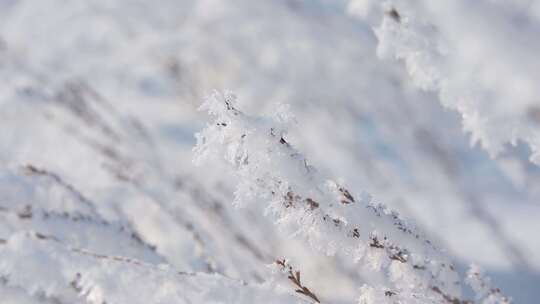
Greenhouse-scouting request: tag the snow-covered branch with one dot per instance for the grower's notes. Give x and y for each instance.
(475, 55)
(327, 214)
(50, 271)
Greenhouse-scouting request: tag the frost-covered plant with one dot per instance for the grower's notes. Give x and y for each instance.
(475, 55)
(55, 247)
(42, 269)
(328, 215)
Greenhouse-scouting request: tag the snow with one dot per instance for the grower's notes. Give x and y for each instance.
(98, 105)
(480, 58)
(49, 270)
(270, 170)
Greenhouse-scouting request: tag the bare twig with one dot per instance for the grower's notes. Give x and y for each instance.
(294, 277)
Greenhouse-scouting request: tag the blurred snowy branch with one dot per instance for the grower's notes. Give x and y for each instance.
(480, 58)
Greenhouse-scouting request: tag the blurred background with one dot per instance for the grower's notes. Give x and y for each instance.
(105, 94)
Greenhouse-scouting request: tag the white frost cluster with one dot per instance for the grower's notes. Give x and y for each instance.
(480, 57)
(333, 219)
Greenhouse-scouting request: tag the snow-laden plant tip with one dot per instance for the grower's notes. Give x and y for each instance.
(331, 217)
